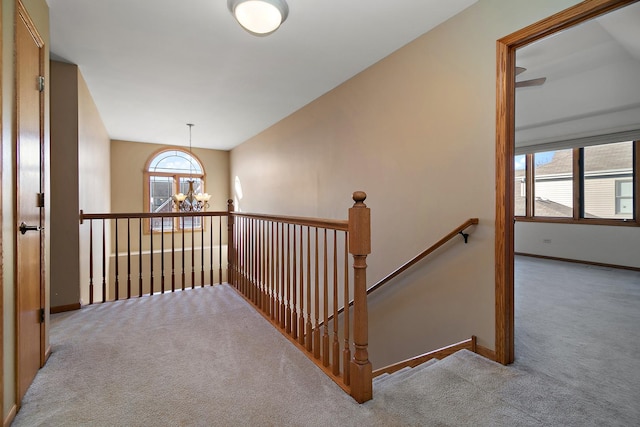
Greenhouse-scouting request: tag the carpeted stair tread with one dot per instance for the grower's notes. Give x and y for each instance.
(402, 374)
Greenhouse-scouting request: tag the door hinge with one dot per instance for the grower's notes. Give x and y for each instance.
(41, 83)
(42, 315)
(40, 200)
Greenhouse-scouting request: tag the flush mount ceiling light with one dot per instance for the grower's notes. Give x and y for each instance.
(259, 17)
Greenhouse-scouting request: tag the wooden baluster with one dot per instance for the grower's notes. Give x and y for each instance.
(193, 253)
(266, 299)
(346, 351)
(219, 249)
(316, 328)
(128, 258)
(309, 334)
(262, 295)
(140, 256)
(270, 271)
(294, 299)
(202, 251)
(287, 317)
(173, 257)
(276, 283)
(325, 308)
(117, 255)
(360, 247)
(246, 266)
(151, 258)
(238, 225)
(249, 266)
(250, 258)
(104, 266)
(161, 255)
(281, 292)
(336, 342)
(274, 272)
(90, 261)
(231, 246)
(241, 256)
(184, 276)
(301, 284)
(256, 262)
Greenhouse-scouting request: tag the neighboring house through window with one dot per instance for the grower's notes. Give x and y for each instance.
(595, 182)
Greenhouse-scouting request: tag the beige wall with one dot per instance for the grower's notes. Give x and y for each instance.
(80, 177)
(94, 173)
(128, 160)
(39, 12)
(416, 131)
(64, 184)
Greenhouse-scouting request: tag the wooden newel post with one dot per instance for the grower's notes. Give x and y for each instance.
(230, 245)
(360, 247)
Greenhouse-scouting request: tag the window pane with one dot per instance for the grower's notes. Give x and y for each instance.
(175, 161)
(161, 189)
(608, 181)
(520, 186)
(553, 171)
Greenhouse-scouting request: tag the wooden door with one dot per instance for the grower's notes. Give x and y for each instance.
(29, 213)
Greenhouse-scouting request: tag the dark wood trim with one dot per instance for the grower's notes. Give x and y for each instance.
(47, 353)
(2, 142)
(577, 185)
(440, 353)
(485, 352)
(505, 176)
(67, 307)
(578, 261)
(10, 416)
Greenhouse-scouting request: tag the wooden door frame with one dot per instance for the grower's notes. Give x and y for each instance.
(1, 222)
(505, 140)
(21, 14)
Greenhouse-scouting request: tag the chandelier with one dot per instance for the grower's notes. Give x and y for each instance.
(191, 202)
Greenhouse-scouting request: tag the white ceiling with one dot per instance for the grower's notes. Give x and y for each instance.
(154, 65)
(593, 81)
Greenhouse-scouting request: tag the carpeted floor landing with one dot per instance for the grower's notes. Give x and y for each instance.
(206, 358)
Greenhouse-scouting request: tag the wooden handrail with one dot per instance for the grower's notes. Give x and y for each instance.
(417, 258)
(404, 267)
(340, 225)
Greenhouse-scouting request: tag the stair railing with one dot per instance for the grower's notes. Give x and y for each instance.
(137, 254)
(295, 272)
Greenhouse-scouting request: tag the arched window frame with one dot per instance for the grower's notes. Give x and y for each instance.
(176, 178)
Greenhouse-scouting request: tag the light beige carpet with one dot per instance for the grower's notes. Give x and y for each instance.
(204, 357)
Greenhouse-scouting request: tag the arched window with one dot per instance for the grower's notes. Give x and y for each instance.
(168, 172)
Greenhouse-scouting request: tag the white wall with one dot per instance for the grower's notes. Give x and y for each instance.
(592, 243)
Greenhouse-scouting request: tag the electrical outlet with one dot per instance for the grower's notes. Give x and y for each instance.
(546, 241)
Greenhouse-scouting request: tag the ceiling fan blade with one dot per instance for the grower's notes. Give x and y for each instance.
(520, 70)
(532, 82)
